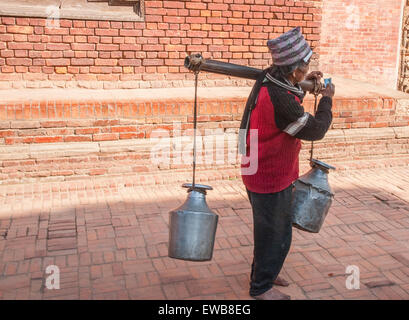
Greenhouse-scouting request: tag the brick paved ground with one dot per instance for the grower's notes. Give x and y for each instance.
(110, 241)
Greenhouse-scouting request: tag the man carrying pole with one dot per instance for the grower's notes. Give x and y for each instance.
(274, 110)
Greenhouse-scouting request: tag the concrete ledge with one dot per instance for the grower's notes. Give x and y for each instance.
(345, 89)
(54, 150)
(401, 132)
(14, 152)
(364, 148)
(366, 134)
(131, 145)
(67, 149)
(67, 9)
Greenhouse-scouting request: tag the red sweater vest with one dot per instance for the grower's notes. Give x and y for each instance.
(277, 158)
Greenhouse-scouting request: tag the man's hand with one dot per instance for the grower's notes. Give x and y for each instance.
(315, 75)
(329, 91)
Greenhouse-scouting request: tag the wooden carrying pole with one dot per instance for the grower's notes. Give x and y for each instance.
(196, 62)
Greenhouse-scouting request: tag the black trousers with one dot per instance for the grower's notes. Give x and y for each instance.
(272, 237)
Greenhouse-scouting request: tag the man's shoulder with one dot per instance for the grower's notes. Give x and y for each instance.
(278, 91)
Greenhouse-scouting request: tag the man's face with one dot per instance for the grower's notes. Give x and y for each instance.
(301, 72)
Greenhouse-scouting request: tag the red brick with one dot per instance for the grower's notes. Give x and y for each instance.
(83, 46)
(106, 70)
(152, 62)
(21, 37)
(57, 62)
(106, 32)
(130, 47)
(8, 20)
(21, 53)
(82, 62)
(77, 138)
(7, 133)
(106, 62)
(81, 31)
(107, 47)
(20, 29)
(53, 124)
(47, 139)
(56, 31)
(130, 33)
(19, 61)
(153, 33)
(105, 136)
(86, 131)
(124, 129)
(173, 4)
(20, 46)
(62, 173)
(196, 5)
(7, 53)
(139, 135)
(299, 10)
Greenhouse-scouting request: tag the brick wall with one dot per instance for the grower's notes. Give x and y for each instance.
(110, 54)
(360, 39)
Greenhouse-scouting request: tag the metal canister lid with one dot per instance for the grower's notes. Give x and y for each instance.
(321, 165)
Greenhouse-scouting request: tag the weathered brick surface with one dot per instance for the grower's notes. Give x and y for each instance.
(112, 54)
(109, 239)
(108, 54)
(351, 32)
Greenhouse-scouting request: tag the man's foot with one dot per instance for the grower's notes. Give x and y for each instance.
(281, 282)
(272, 294)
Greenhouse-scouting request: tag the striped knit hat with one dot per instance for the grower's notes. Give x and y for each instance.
(289, 48)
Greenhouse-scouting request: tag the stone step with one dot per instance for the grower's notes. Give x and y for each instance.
(90, 133)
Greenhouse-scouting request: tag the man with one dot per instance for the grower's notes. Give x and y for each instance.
(274, 110)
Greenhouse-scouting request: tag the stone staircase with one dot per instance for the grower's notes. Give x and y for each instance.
(145, 135)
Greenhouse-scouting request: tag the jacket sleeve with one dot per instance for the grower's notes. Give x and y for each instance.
(291, 118)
